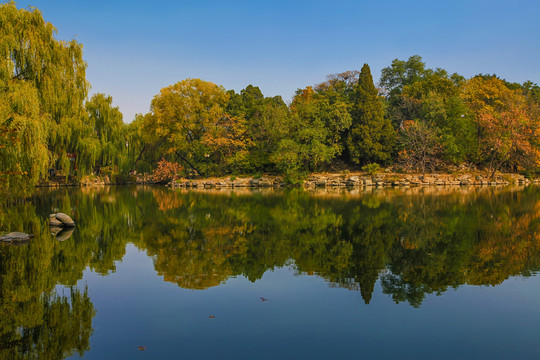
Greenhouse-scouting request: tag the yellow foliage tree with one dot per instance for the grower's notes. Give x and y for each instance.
(508, 124)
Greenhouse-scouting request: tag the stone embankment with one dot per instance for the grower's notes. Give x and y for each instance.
(96, 181)
(139, 179)
(358, 180)
(315, 180)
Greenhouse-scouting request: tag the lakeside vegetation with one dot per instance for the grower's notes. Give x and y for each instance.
(418, 119)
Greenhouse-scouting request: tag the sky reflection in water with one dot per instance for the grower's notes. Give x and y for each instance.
(182, 274)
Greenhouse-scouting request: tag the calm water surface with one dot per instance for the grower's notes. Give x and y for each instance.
(153, 273)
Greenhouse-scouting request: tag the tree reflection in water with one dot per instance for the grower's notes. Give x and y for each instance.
(416, 242)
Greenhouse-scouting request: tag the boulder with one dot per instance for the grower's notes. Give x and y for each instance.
(54, 222)
(16, 237)
(64, 219)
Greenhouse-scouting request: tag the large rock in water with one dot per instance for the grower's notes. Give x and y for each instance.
(65, 220)
(16, 237)
(54, 222)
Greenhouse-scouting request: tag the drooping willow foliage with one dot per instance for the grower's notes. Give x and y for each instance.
(44, 121)
(42, 88)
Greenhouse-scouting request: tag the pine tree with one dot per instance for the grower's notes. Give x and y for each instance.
(371, 136)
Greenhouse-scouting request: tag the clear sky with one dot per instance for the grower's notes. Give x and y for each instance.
(134, 48)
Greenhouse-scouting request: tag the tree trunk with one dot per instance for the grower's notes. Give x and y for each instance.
(190, 164)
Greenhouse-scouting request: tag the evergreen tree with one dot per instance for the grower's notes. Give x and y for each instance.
(371, 136)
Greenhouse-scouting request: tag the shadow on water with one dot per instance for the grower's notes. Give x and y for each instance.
(415, 242)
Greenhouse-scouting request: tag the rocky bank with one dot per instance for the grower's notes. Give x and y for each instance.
(316, 180)
(358, 180)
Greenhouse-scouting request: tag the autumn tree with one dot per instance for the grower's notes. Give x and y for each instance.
(182, 113)
(420, 147)
(167, 171)
(508, 124)
(371, 136)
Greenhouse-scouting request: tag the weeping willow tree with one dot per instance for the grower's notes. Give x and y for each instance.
(109, 128)
(42, 91)
(23, 134)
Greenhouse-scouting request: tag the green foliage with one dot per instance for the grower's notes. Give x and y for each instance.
(438, 103)
(372, 169)
(23, 137)
(313, 138)
(402, 73)
(340, 87)
(266, 122)
(53, 69)
(109, 129)
(42, 93)
(371, 135)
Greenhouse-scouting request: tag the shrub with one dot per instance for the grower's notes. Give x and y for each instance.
(167, 171)
(372, 168)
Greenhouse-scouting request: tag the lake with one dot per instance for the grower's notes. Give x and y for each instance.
(155, 273)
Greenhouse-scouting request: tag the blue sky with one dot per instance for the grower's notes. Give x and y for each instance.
(134, 48)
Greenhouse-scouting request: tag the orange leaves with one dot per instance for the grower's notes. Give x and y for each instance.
(226, 136)
(167, 170)
(508, 123)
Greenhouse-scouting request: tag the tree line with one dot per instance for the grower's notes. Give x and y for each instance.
(417, 119)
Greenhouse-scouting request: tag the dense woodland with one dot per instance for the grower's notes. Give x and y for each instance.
(417, 119)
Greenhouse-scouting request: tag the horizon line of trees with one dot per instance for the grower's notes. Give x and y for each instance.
(418, 119)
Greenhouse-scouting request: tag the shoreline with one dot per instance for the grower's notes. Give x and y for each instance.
(357, 180)
(317, 180)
